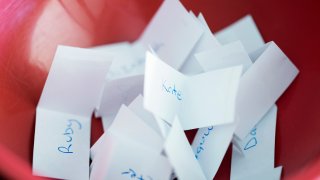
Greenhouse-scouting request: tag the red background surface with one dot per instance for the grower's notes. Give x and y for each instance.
(31, 29)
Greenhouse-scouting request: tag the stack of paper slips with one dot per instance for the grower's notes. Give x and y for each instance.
(177, 76)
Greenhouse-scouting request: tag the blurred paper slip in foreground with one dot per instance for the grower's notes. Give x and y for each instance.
(122, 158)
(63, 119)
(199, 101)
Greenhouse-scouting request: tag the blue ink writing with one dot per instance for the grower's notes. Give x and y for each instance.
(200, 147)
(253, 140)
(68, 134)
(133, 175)
(172, 90)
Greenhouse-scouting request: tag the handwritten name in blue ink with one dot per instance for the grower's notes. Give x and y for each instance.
(72, 124)
(252, 141)
(133, 175)
(200, 147)
(172, 90)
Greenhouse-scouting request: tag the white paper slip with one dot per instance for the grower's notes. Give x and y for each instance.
(258, 148)
(261, 85)
(211, 41)
(210, 145)
(126, 63)
(266, 174)
(128, 59)
(74, 70)
(204, 22)
(123, 56)
(228, 55)
(199, 101)
(63, 119)
(114, 47)
(61, 145)
(98, 166)
(207, 41)
(137, 107)
(172, 33)
(121, 158)
(115, 93)
(164, 126)
(97, 146)
(244, 30)
(146, 118)
(180, 154)
(128, 125)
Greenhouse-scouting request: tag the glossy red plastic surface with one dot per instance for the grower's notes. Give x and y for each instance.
(31, 29)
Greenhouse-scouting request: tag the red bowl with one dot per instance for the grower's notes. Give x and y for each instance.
(31, 29)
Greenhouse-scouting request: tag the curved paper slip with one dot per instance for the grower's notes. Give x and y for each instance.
(217, 138)
(261, 86)
(258, 148)
(200, 101)
(63, 119)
